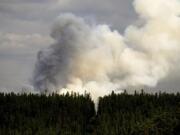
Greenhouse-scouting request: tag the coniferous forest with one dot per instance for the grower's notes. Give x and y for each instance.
(73, 114)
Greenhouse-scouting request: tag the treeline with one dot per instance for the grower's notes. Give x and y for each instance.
(139, 114)
(45, 115)
(74, 114)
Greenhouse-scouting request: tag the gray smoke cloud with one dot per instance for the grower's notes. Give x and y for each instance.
(96, 59)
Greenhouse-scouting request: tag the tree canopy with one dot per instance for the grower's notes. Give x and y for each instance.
(74, 114)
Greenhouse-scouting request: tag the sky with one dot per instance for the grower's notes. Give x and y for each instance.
(25, 27)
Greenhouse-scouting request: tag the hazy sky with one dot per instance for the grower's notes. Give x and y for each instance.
(25, 27)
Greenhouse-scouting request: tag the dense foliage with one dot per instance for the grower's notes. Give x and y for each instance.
(73, 114)
(45, 115)
(139, 114)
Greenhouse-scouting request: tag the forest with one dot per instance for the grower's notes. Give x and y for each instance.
(73, 114)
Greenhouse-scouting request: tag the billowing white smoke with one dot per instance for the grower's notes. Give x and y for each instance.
(95, 59)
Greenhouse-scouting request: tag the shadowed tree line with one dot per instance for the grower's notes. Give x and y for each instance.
(74, 114)
(45, 115)
(139, 114)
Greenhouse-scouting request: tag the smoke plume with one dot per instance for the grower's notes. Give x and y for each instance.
(96, 59)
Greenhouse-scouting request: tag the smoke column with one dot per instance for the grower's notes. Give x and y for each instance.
(96, 59)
